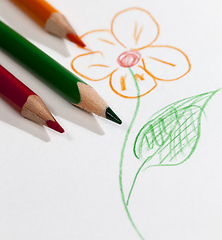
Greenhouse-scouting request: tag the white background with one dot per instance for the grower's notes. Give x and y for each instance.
(55, 186)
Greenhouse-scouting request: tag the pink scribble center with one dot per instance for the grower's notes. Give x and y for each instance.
(129, 58)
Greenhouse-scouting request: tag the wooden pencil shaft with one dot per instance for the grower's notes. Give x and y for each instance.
(39, 63)
(12, 90)
(58, 25)
(34, 109)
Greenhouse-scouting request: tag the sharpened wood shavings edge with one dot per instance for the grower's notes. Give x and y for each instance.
(35, 110)
(91, 101)
(58, 25)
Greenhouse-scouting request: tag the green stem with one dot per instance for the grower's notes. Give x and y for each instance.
(123, 152)
(134, 180)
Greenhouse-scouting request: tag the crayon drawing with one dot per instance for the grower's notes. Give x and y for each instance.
(130, 43)
(126, 55)
(169, 138)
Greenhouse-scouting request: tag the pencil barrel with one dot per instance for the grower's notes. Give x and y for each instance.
(40, 64)
(12, 90)
(39, 10)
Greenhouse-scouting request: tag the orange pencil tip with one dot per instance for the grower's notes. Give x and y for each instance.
(76, 39)
(55, 126)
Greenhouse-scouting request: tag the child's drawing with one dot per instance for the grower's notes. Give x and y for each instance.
(130, 43)
(126, 55)
(168, 139)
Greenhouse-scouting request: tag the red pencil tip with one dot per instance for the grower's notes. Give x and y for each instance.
(76, 39)
(55, 126)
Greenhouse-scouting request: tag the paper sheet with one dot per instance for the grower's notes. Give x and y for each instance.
(158, 175)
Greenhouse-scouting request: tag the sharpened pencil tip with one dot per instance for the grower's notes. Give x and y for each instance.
(112, 116)
(76, 39)
(55, 126)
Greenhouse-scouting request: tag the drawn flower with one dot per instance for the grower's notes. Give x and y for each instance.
(129, 43)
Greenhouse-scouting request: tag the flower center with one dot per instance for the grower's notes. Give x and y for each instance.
(129, 58)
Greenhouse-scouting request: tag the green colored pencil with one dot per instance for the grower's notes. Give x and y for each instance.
(69, 86)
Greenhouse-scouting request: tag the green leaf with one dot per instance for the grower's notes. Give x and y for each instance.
(171, 134)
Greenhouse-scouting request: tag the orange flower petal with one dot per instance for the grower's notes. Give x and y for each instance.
(92, 66)
(103, 41)
(165, 63)
(123, 83)
(134, 28)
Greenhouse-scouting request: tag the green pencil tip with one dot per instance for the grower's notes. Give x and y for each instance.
(112, 116)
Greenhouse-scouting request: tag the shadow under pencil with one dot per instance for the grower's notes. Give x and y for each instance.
(75, 115)
(11, 117)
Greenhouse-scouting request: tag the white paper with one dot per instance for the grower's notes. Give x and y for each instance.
(71, 186)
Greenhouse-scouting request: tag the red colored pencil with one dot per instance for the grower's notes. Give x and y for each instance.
(25, 101)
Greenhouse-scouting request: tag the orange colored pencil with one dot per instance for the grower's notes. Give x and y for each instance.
(50, 19)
